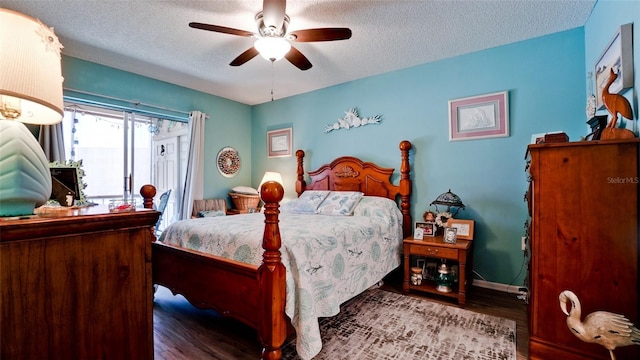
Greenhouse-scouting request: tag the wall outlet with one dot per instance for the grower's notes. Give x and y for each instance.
(524, 243)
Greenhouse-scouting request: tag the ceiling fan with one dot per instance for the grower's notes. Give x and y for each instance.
(273, 41)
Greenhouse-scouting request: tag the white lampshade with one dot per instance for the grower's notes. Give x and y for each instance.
(272, 48)
(31, 72)
(30, 92)
(270, 176)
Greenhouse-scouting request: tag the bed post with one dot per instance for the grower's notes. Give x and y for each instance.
(272, 327)
(405, 188)
(301, 185)
(148, 192)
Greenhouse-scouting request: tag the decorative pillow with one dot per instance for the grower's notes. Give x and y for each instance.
(376, 206)
(340, 203)
(307, 203)
(211, 213)
(244, 190)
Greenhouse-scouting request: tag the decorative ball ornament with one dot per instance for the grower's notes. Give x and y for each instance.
(228, 162)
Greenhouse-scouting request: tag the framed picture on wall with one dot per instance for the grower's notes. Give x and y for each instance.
(279, 142)
(479, 117)
(617, 56)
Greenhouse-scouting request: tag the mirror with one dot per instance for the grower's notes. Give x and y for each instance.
(67, 179)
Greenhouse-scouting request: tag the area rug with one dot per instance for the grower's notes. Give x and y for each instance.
(381, 325)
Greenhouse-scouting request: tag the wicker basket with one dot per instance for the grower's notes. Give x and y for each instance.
(244, 201)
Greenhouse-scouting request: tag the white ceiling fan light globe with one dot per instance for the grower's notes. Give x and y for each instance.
(272, 48)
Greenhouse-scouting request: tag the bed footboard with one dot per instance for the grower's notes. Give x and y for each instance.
(254, 295)
(208, 282)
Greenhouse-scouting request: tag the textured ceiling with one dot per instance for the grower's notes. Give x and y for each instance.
(152, 38)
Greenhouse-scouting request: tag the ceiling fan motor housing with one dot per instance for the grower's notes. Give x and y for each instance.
(271, 31)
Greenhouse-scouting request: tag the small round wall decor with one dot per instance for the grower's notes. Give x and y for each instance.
(228, 162)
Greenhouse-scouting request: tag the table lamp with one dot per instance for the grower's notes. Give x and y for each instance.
(30, 92)
(271, 176)
(449, 200)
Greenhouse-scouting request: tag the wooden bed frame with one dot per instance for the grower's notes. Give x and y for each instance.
(256, 295)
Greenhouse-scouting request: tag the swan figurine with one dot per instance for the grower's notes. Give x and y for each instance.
(600, 327)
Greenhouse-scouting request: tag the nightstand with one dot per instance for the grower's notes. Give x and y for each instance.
(434, 248)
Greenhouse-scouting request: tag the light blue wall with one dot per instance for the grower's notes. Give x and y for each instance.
(229, 123)
(545, 80)
(547, 83)
(603, 24)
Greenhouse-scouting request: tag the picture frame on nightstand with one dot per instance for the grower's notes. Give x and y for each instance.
(430, 270)
(427, 229)
(450, 235)
(464, 228)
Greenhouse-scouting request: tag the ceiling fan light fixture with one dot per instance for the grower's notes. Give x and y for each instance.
(272, 48)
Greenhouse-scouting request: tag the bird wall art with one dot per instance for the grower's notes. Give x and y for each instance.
(615, 104)
(600, 327)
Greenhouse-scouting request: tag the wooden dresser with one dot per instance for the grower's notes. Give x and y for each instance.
(583, 203)
(77, 285)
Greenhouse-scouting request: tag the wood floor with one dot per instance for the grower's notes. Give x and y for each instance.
(183, 332)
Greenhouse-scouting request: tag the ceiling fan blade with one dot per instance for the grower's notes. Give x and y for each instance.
(296, 58)
(244, 57)
(221, 29)
(321, 34)
(273, 12)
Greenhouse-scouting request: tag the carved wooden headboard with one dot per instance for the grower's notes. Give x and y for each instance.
(348, 173)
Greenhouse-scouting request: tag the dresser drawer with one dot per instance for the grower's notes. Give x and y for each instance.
(434, 251)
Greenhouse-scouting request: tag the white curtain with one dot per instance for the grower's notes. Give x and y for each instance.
(51, 141)
(194, 182)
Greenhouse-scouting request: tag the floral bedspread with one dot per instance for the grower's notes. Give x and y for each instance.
(329, 259)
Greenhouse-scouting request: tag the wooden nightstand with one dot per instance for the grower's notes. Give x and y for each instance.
(434, 248)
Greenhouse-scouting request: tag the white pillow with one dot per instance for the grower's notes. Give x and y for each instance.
(340, 203)
(307, 203)
(245, 190)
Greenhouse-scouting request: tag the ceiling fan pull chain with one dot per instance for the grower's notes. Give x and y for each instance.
(272, 61)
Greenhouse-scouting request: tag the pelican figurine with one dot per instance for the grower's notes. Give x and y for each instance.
(600, 327)
(616, 104)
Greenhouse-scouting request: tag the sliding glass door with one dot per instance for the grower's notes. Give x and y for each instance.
(115, 150)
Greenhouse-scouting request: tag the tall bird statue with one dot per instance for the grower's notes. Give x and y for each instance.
(615, 104)
(600, 327)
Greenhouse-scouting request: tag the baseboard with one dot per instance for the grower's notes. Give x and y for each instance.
(511, 289)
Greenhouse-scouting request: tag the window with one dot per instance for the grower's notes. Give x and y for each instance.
(115, 149)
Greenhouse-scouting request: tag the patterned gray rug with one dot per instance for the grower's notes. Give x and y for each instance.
(382, 325)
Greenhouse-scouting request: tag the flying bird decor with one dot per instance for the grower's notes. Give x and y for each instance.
(600, 327)
(615, 104)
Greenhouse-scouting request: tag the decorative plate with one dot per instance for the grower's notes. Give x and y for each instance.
(228, 162)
